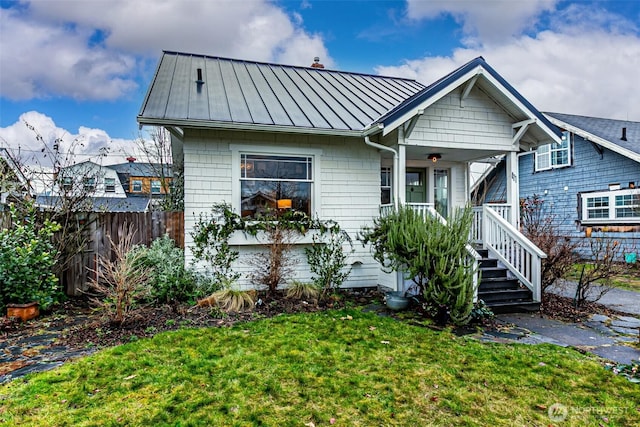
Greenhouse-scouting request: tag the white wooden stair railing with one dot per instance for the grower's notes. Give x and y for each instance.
(513, 249)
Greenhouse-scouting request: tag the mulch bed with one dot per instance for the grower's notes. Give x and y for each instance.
(81, 326)
(95, 330)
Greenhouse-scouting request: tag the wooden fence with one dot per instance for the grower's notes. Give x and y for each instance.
(148, 226)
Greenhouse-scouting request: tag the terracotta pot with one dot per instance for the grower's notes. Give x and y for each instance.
(23, 311)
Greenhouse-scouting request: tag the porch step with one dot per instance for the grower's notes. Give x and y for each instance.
(500, 292)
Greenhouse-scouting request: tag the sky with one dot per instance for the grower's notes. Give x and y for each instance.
(74, 72)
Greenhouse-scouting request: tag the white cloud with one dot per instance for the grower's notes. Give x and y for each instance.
(35, 139)
(572, 68)
(93, 49)
(484, 22)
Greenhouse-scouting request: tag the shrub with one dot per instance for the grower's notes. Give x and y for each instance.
(327, 258)
(231, 300)
(169, 281)
(27, 258)
(432, 253)
(211, 235)
(302, 290)
(121, 283)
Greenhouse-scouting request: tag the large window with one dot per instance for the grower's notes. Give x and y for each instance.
(275, 182)
(554, 155)
(385, 186)
(617, 206)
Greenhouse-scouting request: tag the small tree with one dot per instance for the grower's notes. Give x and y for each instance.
(166, 166)
(272, 267)
(433, 254)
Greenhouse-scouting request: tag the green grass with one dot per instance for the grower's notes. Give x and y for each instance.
(629, 280)
(357, 368)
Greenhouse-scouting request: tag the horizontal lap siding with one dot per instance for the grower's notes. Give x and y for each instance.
(480, 124)
(347, 175)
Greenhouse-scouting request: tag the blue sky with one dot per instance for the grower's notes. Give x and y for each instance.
(78, 70)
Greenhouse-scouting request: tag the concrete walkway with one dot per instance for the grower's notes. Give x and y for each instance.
(607, 337)
(616, 299)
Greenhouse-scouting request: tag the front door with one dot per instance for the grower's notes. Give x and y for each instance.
(415, 186)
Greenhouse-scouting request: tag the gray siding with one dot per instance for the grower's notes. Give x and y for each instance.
(589, 172)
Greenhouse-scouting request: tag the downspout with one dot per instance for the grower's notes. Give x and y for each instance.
(396, 164)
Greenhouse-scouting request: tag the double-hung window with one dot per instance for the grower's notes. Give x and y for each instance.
(275, 182)
(136, 186)
(610, 207)
(156, 188)
(110, 185)
(385, 186)
(554, 155)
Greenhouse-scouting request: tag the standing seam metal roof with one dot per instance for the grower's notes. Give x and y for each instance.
(254, 93)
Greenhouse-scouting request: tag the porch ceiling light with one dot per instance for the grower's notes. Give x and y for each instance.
(434, 157)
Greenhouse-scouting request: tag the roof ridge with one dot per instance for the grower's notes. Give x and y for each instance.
(591, 117)
(275, 64)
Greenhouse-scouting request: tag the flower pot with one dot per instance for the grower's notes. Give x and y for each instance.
(396, 301)
(23, 311)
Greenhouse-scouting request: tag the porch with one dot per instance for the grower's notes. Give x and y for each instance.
(509, 273)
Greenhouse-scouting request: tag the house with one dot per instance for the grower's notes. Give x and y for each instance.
(13, 182)
(91, 187)
(343, 146)
(590, 183)
(151, 179)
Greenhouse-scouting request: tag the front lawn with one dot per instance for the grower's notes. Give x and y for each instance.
(346, 368)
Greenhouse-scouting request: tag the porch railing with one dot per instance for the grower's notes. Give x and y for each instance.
(513, 249)
(501, 209)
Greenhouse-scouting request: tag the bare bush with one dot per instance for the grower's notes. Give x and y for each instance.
(595, 275)
(121, 281)
(540, 227)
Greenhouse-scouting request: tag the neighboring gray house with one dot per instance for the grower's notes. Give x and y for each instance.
(590, 183)
(342, 146)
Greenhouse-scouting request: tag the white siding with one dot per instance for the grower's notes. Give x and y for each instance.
(346, 177)
(481, 124)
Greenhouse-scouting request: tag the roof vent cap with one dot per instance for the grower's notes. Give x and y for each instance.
(316, 63)
(624, 134)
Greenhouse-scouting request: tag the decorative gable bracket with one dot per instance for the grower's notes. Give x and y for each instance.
(523, 125)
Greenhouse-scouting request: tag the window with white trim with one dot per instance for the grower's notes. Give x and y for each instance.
(155, 187)
(606, 207)
(554, 155)
(275, 182)
(110, 185)
(136, 186)
(385, 186)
